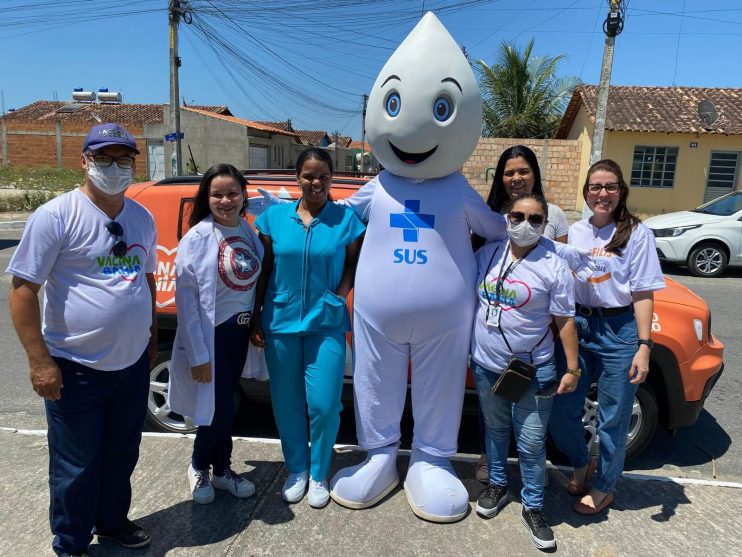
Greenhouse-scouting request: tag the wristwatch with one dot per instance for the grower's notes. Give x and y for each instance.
(576, 372)
(646, 341)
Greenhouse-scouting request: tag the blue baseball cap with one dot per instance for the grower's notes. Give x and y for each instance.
(104, 135)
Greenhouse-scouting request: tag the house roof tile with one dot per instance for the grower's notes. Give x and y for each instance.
(243, 122)
(124, 113)
(658, 109)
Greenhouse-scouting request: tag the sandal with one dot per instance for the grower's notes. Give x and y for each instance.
(576, 488)
(581, 508)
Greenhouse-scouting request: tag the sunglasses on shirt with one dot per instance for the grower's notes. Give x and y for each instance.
(117, 231)
(534, 219)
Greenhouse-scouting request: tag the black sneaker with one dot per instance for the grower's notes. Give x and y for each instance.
(129, 535)
(491, 500)
(535, 524)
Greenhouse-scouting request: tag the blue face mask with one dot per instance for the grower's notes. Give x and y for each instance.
(111, 180)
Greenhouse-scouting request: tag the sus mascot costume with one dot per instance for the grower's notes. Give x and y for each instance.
(415, 284)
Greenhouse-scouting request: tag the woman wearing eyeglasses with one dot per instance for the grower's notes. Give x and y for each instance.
(522, 286)
(614, 322)
(311, 250)
(217, 266)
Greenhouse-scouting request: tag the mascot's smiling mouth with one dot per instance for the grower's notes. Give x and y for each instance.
(411, 158)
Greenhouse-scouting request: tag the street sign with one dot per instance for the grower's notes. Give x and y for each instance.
(174, 136)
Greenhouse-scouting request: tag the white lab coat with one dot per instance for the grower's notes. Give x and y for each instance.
(195, 298)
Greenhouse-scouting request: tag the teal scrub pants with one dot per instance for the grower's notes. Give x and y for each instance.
(306, 377)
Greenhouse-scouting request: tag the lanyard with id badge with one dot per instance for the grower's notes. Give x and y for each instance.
(518, 374)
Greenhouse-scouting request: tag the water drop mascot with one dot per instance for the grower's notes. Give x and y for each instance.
(415, 284)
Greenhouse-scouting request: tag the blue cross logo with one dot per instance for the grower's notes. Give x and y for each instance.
(411, 220)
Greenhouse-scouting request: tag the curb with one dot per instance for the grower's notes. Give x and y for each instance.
(13, 225)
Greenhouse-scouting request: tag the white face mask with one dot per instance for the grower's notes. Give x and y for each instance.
(111, 179)
(523, 234)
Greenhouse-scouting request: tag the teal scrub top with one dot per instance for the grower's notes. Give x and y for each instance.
(307, 268)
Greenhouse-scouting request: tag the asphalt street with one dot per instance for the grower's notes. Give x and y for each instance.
(711, 449)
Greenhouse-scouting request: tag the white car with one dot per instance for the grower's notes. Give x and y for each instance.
(707, 239)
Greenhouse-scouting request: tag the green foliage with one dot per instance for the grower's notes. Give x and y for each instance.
(25, 202)
(522, 95)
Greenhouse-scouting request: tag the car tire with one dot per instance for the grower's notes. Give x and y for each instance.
(643, 424)
(707, 260)
(644, 417)
(159, 416)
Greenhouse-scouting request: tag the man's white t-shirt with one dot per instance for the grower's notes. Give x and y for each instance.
(537, 288)
(97, 307)
(238, 268)
(615, 277)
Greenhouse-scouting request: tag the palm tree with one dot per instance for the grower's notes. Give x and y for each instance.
(521, 94)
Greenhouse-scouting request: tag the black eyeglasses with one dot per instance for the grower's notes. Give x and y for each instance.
(104, 161)
(534, 219)
(117, 231)
(609, 188)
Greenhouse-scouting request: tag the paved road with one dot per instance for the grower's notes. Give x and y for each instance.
(711, 449)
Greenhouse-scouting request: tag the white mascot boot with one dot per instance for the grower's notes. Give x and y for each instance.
(433, 490)
(365, 484)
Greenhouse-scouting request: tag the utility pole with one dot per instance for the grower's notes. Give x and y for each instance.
(174, 14)
(363, 134)
(337, 138)
(612, 27)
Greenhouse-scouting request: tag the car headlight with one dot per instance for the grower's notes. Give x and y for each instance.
(673, 232)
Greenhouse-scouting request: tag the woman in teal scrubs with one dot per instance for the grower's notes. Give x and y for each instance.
(311, 250)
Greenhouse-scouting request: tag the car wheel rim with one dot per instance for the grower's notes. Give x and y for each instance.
(157, 405)
(708, 261)
(590, 414)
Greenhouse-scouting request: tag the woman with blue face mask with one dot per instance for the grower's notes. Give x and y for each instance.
(521, 287)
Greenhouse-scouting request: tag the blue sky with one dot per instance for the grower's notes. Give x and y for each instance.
(312, 61)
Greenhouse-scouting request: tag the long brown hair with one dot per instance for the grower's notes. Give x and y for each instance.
(625, 221)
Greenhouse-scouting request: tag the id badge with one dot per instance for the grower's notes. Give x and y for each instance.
(493, 316)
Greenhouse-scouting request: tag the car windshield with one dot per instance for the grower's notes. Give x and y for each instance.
(723, 206)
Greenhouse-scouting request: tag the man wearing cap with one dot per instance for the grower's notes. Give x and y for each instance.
(95, 252)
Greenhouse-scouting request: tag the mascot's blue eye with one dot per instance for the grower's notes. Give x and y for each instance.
(393, 104)
(443, 108)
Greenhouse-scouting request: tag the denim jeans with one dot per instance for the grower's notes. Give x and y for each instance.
(607, 348)
(213, 444)
(529, 418)
(94, 435)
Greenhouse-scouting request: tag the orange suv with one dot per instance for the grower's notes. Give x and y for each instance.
(686, 360)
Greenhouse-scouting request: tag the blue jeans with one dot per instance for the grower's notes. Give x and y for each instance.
(306, 372)
(213, 443)
(607, 348)
(529, 418)
(94, 435)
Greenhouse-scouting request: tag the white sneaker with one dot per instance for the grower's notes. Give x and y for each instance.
(201, 488)
(236, 485)
(294, 487)
(319, 494)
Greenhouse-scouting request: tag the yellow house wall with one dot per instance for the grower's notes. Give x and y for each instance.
(582, 130)
(690, 174)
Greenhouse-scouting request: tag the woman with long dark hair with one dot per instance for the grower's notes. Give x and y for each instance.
(217, 269)
(311, 250)
(614, 322)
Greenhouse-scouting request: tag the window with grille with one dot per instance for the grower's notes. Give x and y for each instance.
(723, 174)
(654, 167)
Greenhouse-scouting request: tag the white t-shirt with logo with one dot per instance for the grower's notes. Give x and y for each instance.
(238, 268)
(615, 277)
(97, 307)
(537, 288)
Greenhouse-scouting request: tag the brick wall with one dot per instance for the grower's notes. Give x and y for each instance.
(559, 174)
(35, 144)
